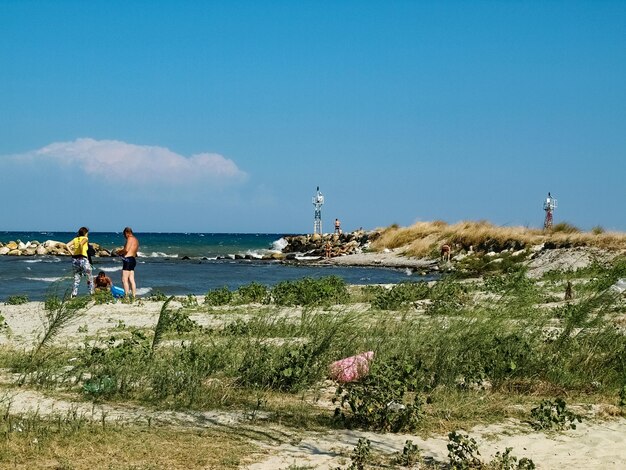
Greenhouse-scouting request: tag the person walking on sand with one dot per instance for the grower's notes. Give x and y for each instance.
(78, 247)
(129, 254)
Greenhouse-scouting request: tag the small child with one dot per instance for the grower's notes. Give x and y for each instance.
(103, 282)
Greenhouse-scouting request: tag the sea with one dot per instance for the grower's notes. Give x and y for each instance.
(175, 264)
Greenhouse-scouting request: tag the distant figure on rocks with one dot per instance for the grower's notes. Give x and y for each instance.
(328, 247)
(569, 295)
(337, 227)
(445, 252)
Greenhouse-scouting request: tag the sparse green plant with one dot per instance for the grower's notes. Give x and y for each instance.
(157, 296)
(410, 456)
(598, 230)
(506, 461)
(190, 301)
(553, 415)
(361, 455)
(16, 300)
(462, 451)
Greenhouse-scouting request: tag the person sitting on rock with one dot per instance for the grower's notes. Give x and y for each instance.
(103, 282)
(328, 248)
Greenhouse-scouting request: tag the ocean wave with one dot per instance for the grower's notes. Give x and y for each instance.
(143, 290)
(42, 260)
(156, 254)
(257, 254)
(44, 279)
(111, 269)
(279, 244)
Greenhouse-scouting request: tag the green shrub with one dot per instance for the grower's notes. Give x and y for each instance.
(285, 368)
(103, 297)
(307, 291)
(399, 295)
(216, 297)
(252, 293)
(16, 300)
(378, 401)
(462, 451)
(553, 415)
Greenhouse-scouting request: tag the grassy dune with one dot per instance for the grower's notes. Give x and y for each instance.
(425, 238)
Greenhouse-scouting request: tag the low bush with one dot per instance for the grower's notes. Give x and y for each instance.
(553, 415)
(399, 295)
(381, 400)
(16, 300)
(252, 293)
(216, 297)
(309, 292)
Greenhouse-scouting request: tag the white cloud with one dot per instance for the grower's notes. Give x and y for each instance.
(120, 161)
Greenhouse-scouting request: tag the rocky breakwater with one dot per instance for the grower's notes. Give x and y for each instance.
(317, 246)
(49, 247)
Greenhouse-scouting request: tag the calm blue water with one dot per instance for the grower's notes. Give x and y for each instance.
(161, 267)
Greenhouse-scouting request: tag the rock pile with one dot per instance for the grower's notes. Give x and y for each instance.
(340, 244)
(49, 247)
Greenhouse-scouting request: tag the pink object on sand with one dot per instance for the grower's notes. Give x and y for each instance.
(351, 368)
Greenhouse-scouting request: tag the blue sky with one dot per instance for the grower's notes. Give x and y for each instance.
(224, 116)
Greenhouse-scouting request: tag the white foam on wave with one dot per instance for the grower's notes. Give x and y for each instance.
(44, 279)
(111, 269)
(257, 254)
(156, 254)
(42, 260)
(143, 290)
(279, 244)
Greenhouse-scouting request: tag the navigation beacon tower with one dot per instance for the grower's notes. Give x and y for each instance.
(549, 205)
(318, 201)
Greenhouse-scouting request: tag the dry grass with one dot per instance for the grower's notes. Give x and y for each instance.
(425, 238)
(127, 448)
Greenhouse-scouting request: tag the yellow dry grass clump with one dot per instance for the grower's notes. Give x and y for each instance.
(426, 238)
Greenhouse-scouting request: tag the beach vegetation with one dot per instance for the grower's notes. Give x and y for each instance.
(16, 300)
(447, 355)
(217, 297)
(553, 415)
(424, 239)
(252, 293)
(309, 292)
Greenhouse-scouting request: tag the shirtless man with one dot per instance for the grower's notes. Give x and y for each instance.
(128, 254)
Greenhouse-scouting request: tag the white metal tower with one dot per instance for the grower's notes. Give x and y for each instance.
(318, 201)
(549, 205)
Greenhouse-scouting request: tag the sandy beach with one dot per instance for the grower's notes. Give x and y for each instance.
(598, 443)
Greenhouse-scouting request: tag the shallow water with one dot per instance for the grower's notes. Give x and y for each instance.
(165, 270)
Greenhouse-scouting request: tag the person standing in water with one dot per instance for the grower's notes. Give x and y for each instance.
(129, 254)
(78, 249)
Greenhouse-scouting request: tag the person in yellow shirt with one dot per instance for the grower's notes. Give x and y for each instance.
(78, 249)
